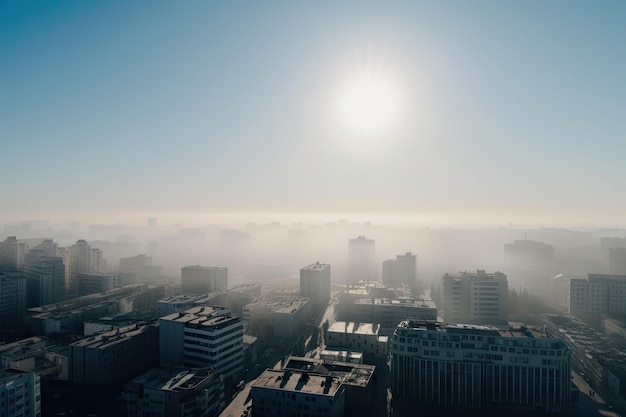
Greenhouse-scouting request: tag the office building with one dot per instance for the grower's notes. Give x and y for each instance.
(361, 260)
(203, 336)
(475, 298)
(174, 393)
(45, 278)
(13, 299)
(93, 282)
(403, 269)
(114, 356)
(596, 295)
(389, 312)
(314, 387)
(203, 279)
(12, 254)
(80, 258)
(315, 284)
(361, 337)
(20, 393)
(277, 316)
(472, 366)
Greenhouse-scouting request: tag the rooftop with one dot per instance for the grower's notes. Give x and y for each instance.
(10, 375)
(400, 302)
(112, 337)
(202, 316)
(355, 328)
(349, 373)
(288, 380)
(167, 380)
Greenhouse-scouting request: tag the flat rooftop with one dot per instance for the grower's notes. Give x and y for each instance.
(10, 375)
(281, 304)
(354, 328)
(510, 332)
(316, 267)
(400, 302)
(354, 374)
(202, 316)
(112, 337)
(166, 380)
(295, 381)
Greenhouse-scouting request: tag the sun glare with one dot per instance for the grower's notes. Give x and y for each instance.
(367, 104)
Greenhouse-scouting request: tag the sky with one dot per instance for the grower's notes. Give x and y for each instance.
(507, 110)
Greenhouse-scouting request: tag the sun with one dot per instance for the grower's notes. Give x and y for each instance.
(367, 103)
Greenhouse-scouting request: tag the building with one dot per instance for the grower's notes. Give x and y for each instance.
(114, 356)
(174, 393)
(361, 260)
(93, 282)
(203, 336)
(477, 298)
(13, 299)
(362, 337)
(598, 294)
(389, 312)
(203, 279)
(80, 258)
(277, 316)
(403, 269)
(315, 284)
(45, 278)
(12, 254)
(286, 393)
(528, 254)
(20, 393)
(473, 366)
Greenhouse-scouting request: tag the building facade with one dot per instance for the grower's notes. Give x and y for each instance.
(94, 282)
(473, 366)
(201, 337)
(20, 393)
(403, 269)
(477, 298)
(174, 393)
(315, 284)
(203, 279)
(362, 337)
(598, 294)
(361, 260)
(45, 278)
(13, 299)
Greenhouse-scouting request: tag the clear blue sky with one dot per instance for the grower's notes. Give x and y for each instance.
(511, 108)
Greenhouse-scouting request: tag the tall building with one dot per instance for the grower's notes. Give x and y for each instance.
(12, 254)
(200, 337)
(315, 284)
(596, 295)
(403, 269)
(45, 278)
(20, 394)
(361, 260)
(203, 279)
(480, 367)
(174, 393)
(80, 258)
(476, 298)
(13, 299)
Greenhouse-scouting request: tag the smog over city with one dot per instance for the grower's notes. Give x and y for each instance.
(323, 209)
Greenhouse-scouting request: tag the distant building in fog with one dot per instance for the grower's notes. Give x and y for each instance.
(93, 282)
(45, 278)
(203, 279)
(529, 254)
(598, 294)
(315, 284)
(12, 254)
(403, 269)
(361, 260)
(475, 298)
(617, 261)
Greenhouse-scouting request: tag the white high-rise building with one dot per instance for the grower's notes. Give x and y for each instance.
(203, 279)
(20, 394)
(203, 336)
(596, 295)
(403, 269)
(475, 297)
(361, 260)
(315, 284)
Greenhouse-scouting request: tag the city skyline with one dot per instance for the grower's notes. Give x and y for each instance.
(497, 113)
